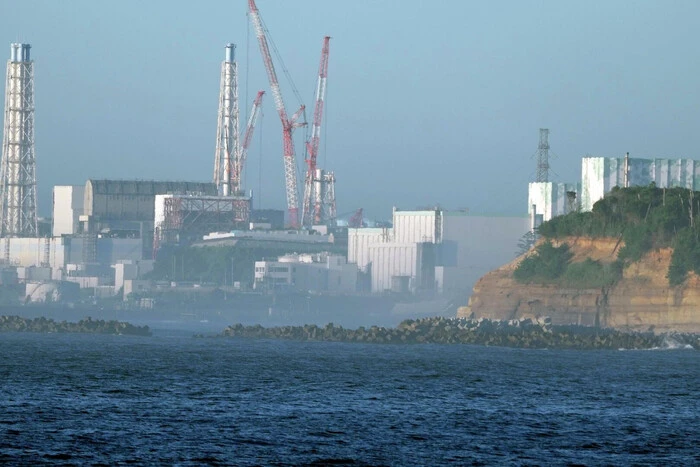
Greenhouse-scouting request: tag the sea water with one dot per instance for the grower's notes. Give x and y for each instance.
(175, 399)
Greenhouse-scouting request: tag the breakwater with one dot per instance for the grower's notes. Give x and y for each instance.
(526, 333)
(88, 326)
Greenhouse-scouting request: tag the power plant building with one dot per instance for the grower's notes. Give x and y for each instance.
(434, 250)
(549, 199)
(68, 203)
(320, 272)
(600, 174)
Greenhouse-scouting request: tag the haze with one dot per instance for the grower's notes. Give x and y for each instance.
(428, 102)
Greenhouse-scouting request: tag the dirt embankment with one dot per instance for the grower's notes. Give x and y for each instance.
(641, 300)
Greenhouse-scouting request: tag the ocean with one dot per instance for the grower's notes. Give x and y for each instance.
(172, 399)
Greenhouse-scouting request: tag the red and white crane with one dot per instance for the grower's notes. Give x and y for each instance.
(313, 183)
(239, 160)
(288, 124)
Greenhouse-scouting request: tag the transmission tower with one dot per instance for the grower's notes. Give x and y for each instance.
(227, 142)
(543, 156)
(18, 212)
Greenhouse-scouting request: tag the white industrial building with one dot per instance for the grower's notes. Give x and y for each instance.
(550, 199)
(434, 250)
(318, 272)
(600, 174)
(67, 209)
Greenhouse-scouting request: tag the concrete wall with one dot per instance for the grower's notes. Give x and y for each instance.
(67, 208)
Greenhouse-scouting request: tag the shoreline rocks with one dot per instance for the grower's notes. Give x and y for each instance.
(524, 333)
(87, 326)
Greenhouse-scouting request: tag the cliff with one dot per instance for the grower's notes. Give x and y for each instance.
(641, 300)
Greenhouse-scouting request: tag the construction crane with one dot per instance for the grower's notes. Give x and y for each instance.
(356, 220)
(288, 124)
(313, 184)
(239, 160)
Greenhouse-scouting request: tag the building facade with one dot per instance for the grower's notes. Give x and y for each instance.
(600, 174)
(550, 199)
(321, 272)
(434, 250)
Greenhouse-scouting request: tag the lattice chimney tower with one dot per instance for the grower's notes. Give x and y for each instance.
(227, 141)
(18, 212)
(543, 156)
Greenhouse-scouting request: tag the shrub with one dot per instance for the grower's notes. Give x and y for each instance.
(545, 264)
(637, 240)
(591, 274)
(685, 257)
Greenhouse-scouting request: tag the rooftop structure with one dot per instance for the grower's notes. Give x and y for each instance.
(183, 219)
(134, 200)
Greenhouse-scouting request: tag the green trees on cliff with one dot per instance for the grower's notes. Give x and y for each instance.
(644, 218)
(550, 264)
(546, 264)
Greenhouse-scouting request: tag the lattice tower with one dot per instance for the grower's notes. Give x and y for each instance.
(227, 131)
(543, 156)
(18, 211)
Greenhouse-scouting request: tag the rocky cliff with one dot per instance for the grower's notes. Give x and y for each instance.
(641, 300)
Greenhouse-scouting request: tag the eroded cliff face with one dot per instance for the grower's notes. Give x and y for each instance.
(641, 300)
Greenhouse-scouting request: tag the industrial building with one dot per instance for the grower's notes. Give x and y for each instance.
(549, 199)
(600, 174)
(434, 251)
(184, 218)
(320, 272)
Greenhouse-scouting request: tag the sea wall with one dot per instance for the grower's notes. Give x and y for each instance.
(526, 333)
(642, 300)
(88, 326)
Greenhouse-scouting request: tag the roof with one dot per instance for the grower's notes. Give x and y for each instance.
(147, 187)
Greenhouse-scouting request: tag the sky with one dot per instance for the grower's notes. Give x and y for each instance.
(428, 102)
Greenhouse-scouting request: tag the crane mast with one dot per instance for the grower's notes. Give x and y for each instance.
(239, 161)
(313, 183)
(288, 125)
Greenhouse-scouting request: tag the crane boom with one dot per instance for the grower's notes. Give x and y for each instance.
(288, 124)
(237, 173)
(313, 145)
(312, 202)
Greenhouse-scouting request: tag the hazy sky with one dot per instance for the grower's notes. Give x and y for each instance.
(429, 102)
